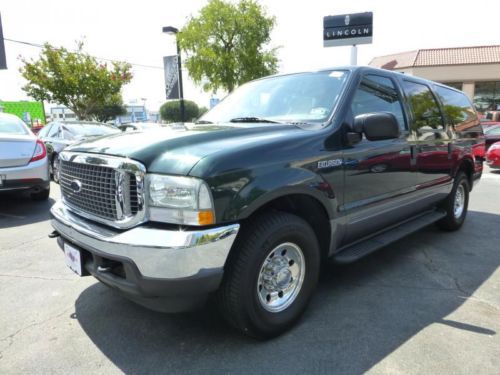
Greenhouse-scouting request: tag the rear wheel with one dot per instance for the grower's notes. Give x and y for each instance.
(456, 204)
(271, 274)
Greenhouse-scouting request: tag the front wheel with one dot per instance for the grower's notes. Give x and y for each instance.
(271, 274)
(456, 204)
(55, 168)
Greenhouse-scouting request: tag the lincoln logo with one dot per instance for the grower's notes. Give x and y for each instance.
(76, 186)
(347, 20)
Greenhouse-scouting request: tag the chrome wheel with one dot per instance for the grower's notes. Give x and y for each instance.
(459, 202)
(281, 277)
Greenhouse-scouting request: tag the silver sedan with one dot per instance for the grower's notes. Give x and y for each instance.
(23, 159)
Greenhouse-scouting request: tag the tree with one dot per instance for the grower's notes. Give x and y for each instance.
(225, 44)
(109, 110)
(74, 79)
(170, 111)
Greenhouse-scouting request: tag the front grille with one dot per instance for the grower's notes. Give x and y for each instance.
(98, 188)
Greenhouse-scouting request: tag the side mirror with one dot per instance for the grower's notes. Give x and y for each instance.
(377, 126)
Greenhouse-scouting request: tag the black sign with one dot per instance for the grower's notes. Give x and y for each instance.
(171, 70)
(3, 60)
(348, 29)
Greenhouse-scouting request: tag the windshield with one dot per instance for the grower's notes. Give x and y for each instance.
(89, 130)
(495, 130)
(295, 98)
(12, 125)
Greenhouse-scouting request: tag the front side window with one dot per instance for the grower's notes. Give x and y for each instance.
(294, 98)
(425, 109)
(377, 94)
(54, 131)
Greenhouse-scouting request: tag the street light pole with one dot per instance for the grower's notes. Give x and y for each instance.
(174, 30)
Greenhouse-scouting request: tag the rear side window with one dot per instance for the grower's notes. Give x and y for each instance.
(12, 125)
(456, 107)
(426, 113)
(377, 94)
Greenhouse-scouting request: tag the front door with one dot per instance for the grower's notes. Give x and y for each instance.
(378, 175)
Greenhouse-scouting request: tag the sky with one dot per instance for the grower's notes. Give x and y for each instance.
(131, 31)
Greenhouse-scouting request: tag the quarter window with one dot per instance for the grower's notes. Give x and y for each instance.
(378, 94)
(456, 107)
(425, 109)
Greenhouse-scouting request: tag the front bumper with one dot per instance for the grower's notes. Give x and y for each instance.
(148, 261)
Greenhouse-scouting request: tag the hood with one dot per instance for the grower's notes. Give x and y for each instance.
(177, 151)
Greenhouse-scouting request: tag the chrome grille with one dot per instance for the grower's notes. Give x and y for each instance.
(98, 188)
(103, 188)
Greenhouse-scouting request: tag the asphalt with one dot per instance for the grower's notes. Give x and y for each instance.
(427, 304)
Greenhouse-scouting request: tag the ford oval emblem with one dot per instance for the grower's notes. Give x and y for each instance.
(76, 186)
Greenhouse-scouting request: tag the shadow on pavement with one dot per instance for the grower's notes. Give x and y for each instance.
(360, 314)
(18, 209)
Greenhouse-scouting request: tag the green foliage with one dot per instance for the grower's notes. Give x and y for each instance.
(109, 110)
(225, 44)
(74, 79)
(171, 112)
(202, 111)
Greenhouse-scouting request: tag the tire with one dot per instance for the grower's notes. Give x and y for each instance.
(243, 295)
(55, 169)
(42, 195)
(456, 204)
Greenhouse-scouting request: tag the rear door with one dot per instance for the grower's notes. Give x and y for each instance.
(432, 137)
(378, 175)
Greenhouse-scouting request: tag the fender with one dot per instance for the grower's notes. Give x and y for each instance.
(271, 185)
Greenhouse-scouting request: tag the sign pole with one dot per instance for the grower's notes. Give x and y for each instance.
(354, 55)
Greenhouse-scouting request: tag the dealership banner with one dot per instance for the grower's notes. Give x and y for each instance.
(3, 60)
(171, 70)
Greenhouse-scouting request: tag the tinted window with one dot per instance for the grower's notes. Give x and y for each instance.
(425, 109)
(377, 94)
(12, 125)
(457, 108)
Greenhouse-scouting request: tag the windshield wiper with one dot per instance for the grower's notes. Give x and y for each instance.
(253, 119)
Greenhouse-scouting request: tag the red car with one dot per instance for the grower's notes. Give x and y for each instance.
(493, 156)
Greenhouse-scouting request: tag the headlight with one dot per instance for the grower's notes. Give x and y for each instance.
(180, 200)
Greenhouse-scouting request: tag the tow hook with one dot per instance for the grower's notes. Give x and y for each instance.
(54, 234)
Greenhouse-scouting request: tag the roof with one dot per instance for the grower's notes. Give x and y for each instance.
(439, 56)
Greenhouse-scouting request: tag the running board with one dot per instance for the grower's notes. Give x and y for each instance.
(367, 246)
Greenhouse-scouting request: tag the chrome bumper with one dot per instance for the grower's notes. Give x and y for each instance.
(157, 253)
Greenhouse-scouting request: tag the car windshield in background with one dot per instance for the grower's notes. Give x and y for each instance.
(89, 130)
(294, 98)
(12, 125)
(493, 130)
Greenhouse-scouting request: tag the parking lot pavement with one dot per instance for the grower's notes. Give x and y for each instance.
(427, 304)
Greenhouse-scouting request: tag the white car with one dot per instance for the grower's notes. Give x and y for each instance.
(24, 164)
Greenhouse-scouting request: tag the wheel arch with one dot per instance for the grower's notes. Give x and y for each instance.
(306, 206)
